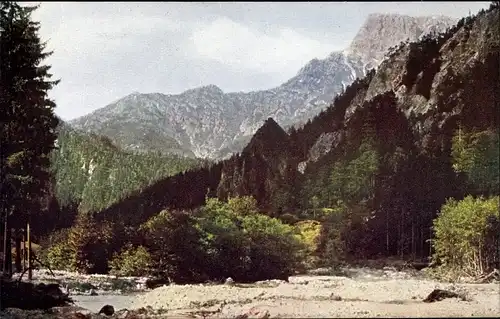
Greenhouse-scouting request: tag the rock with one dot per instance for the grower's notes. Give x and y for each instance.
(255, 312)
(69, 310)
(153, 283)
(77, 315)
(229, 281)
(258, 313)
(439, 294)
(27, 296)
(123, 314)
(335, 297)
(419, 265)
(107, 310)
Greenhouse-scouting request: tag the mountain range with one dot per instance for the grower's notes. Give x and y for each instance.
(206, 122)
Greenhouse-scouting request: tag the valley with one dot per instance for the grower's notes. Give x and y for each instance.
(322, 193)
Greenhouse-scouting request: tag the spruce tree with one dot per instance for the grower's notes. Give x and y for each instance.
(28, 123)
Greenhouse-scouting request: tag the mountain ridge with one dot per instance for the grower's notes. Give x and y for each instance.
(207, 122)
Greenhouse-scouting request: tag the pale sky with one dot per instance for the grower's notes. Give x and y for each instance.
(106, 50)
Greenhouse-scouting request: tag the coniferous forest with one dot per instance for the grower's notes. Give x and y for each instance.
(412, 173)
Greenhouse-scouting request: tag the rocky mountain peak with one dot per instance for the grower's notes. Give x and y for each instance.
(382, 30)
(206, 89)
(269, 138)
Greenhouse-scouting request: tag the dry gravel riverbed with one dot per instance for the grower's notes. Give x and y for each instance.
(326, 296)
(357, 292)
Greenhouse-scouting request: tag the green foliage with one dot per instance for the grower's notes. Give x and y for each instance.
(89, 245)
(464, 237)
(331, 244)
(91, 171)
(55, 250)
(354, 180)
(274, 250)
(242, 206)
(476, 154)
(58, 256)
(248, 247)
(348, 180)
(175, 244)
(308, 232)
(131, 261)
(28, 121)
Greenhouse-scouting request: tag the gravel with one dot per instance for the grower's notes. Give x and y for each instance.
(349, 292)
(365, 295)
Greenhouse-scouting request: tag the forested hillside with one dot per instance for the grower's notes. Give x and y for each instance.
(90, 173)
(374, 170)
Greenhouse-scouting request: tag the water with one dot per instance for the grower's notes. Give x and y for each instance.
(95, 303)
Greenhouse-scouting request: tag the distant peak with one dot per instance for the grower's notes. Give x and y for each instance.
(380, 31)
(378, 15)
(211, 87)
(310, 66)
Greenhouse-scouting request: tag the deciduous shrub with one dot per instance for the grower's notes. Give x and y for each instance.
(58, 256)
(175, 243)
(248, 247)
(308, 232)
(467, 235)
(88, 243)
(131, 261)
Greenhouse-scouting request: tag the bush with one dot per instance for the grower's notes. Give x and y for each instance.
(224, 240)
(308, 232)
(54, 250)
(275, 252)
(332, 244)
(467, 235)
(88, 243)
(58, 255)
(248, 247)
(176, 246)
(131, 261)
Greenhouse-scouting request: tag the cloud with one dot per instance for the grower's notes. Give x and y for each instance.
(241, 47)
(105, 50)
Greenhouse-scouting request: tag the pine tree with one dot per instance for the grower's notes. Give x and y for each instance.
(27, 128)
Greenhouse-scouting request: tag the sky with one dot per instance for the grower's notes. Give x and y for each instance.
(104, 51)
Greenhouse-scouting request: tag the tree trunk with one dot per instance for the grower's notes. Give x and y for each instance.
(413, 243)
(7, 268)
(30, 272)
(422, 243)
(18, 254)
(402, 237)
(24, 250)
(387, 232)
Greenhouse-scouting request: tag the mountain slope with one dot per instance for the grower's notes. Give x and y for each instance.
(91, 173)
(392, 152)
(206, 122)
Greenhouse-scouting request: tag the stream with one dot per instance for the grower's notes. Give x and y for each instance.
(95, 303)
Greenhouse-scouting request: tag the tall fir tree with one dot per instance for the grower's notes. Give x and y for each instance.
(27, 128)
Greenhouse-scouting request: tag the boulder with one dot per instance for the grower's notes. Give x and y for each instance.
(440, 294)
(27, 296)
(107, 310)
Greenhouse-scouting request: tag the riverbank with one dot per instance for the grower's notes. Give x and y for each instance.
(348, 292)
